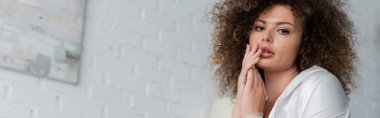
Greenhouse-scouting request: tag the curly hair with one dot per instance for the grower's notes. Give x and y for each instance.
(327, 38)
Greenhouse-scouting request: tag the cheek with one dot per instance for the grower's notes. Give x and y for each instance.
(290, 49)
(289, 54)
(287, 46)
(252, 38)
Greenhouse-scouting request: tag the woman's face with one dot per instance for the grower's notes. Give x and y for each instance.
(278, 34)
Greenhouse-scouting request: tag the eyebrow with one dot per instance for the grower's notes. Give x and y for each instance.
(277, 23)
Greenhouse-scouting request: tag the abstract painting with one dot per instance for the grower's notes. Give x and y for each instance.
(42, 37)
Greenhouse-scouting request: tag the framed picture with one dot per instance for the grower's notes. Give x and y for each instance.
(42, 37)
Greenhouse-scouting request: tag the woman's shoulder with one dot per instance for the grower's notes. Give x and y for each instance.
(313, 93)
(318, 77)
(311, 82)
(322, 91)
(322, 87)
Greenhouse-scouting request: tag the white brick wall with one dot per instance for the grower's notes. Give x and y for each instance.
(148, 59)
(141, 59)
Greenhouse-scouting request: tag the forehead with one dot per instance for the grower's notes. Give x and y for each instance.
(278, 13)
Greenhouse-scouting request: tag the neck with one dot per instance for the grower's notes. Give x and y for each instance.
(276, 82)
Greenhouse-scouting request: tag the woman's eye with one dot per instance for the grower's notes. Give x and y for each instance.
(259, 28)
(283, 31)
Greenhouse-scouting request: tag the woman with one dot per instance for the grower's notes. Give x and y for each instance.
(284, 58)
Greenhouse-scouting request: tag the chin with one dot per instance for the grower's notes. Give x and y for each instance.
(267, 65)
(263, 65)
(273, 66)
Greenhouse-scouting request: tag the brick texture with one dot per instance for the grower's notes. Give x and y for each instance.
(149, 59)
(140, 59)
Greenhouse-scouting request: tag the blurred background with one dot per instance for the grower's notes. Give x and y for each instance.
(149, 59)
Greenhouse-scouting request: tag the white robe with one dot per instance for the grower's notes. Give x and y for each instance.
(313, 93)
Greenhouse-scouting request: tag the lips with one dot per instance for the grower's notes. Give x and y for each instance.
(266, 52)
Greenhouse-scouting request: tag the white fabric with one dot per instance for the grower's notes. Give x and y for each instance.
(314, 93)
(222, 108)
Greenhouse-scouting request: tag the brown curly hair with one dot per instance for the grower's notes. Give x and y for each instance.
(327, 38)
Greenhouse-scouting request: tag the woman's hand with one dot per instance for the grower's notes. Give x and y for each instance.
(251, 93)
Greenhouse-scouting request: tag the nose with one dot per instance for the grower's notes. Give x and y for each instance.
(267, 38)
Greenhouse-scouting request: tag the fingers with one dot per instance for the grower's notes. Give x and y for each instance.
(251, 57)
(251, 89)
(260, 89)
(243, 73)
(246, 57)
(259, 81)
(241, 87)
(247, 49)
(264, 96)
(250, 80)
(242, 80)
(256, 53)
(254, 80)
(261, 85)
(241, 83)
(254, 59)
(253, 95)
(253, 50)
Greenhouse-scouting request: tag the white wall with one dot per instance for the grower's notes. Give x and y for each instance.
(148, 59)
(365, 100)
(141, 59)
